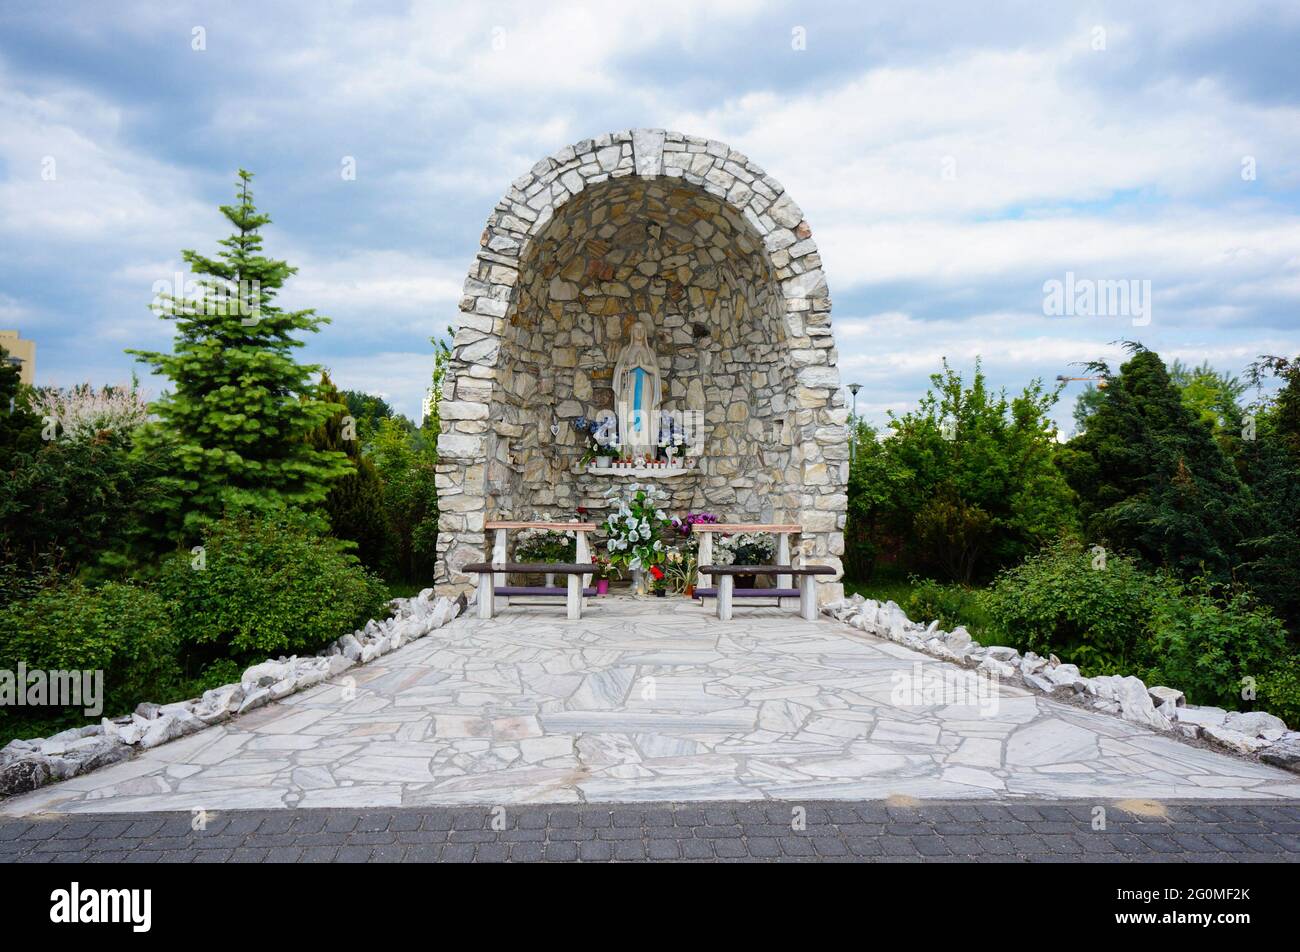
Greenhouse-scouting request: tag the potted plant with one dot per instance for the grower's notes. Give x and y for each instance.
(658, 581)
(750, 549)
(601, 574)
(546, 545)
(680, 565)
(632, 529)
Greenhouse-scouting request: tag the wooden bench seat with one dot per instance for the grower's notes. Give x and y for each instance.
(487, 590)
(806, 574)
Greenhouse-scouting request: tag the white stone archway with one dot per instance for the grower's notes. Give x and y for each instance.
(713, 257)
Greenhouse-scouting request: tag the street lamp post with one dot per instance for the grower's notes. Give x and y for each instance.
(853, 430)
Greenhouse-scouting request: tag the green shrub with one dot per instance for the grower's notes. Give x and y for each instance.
(71, 504)
(1279, 691)
(123, 630)
(219, 672)
(1057, 601)
(266, 584)
(952, 605)
(951, 536)
(1205, 646)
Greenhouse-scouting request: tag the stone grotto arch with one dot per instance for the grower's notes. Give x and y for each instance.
(713, 257)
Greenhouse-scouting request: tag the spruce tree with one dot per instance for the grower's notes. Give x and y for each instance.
(1151, 478)
(1270, 458)
(241, 409)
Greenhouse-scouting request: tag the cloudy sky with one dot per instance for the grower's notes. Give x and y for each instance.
(951, 158)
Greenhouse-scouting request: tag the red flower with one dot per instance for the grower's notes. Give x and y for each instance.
(657, 572)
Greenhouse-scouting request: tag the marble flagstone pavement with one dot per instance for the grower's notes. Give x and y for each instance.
(653, 701)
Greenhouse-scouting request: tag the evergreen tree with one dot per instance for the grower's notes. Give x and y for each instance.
(237, 420)
(20, 429)
(1270, 456)
(355, 503)
(1152, 479)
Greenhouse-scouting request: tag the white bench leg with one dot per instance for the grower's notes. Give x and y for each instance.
(782, 558)
(486, 595)
(705, 557)
(582, 553)
(499, 558)
(726, 583)
(574, 599)
(808, 597)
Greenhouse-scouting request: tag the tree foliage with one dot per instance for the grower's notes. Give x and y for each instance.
(1270, 464)
(238, 418)
(20, 429)
(965, 484)
(407, 470)
(355, 504)
(1152, 480)
(74, 503)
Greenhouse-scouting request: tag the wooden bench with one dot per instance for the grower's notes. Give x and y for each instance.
(582, 554)
(487, 591)
(807, 575)
(784, 583)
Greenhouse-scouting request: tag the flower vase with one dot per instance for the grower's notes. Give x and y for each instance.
(602, 586)
(639, 587)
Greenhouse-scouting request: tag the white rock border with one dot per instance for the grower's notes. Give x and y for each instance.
(28, 764)
(1256, 734)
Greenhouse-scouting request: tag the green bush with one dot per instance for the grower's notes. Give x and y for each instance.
(1205, 646)
(266, 584)
(123, 630)
(952, 605)
(1279, 690)
(1063, 601)
(71, 504)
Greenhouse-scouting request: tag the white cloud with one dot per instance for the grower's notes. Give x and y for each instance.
(401, 378)
(72, 179)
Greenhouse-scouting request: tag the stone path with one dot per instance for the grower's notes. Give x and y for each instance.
(1039, 831)
(652, 701)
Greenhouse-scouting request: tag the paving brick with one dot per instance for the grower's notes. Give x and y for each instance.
(1050, 831)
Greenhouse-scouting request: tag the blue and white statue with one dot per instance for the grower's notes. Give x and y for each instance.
(638, 390)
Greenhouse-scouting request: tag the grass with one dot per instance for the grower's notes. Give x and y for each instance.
(882, 590)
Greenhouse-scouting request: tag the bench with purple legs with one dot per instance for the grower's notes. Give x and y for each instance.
(806, 574)
(500, 543)
(487, 592)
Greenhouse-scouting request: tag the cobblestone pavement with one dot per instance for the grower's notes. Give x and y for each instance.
(667, 705)
(873, 831)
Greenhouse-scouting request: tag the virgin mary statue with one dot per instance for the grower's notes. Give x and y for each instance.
(638, 389)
